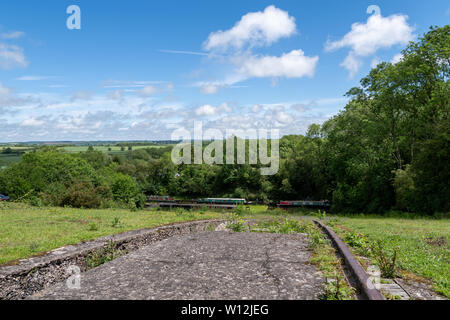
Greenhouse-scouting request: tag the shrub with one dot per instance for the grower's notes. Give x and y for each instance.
(404, 188)
(125, 189)
(386, 262)
(82, 194)
(239, 210)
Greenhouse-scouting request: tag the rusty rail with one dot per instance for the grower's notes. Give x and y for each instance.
(361, 277)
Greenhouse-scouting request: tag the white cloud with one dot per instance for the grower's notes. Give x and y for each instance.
(290, 65)
(12, 100)
(82, 95)
(366, 39)
(129, 84)
(375, 62)
(209, 89)
(283, 118)
(147, 91)
(208, 110)
(397, 58)
(205, 110)
(31, 78)
(300, 107)
(170, 86)
(115, 95)
(12, 35)
(352, 64)
(11, 56)
(254, 29)
(256, 108)
(4, 90)
(31, 122)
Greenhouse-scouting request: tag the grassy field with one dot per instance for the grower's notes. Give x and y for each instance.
(7, 159)
(26, 231)
(114, 149)
(422, 245)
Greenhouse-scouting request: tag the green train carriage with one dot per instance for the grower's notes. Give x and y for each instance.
(234, 201)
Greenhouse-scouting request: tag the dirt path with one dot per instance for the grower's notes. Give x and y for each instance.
(207, 265)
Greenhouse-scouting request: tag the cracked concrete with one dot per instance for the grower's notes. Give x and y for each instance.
(207, 265)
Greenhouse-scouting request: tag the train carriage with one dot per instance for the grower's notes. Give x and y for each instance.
(323, 204)
(234, 201)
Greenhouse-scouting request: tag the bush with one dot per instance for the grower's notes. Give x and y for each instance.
(239, 210)
(43, 171)
(404, 188)
(82, 194)
(125, 189)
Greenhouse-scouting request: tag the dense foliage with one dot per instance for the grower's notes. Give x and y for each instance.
(388, 149)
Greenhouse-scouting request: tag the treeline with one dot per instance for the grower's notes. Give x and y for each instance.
(388, 149)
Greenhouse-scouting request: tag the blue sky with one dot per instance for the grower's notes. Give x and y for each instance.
(140, 69)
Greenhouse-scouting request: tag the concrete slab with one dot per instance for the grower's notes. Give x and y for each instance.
(206, 265)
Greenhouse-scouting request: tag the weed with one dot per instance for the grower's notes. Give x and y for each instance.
(116, 223)
(93, 226)
(179, 211)
(237, 225)
(103, 255)
(286, 226)
(239, 210)
(386, 262)
(34, 246)
(336, 288)
(390, 296)
(359, 242)
(202, 209)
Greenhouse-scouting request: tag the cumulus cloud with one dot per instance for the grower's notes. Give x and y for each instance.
(205, 110)
(290, 65)
(82, 95)
(262, 28)
(208, 110)
(115, 95)
(11, 100)
(32, 122)
(352, 63)
(209, 88)
(255, 108)
(375, 62)
(4, 91)
(254, 29)
(366, 39)
(397, 58)
(11, 56)
(147, 91)
(282, 118)
(301, 107)
(105, 118)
